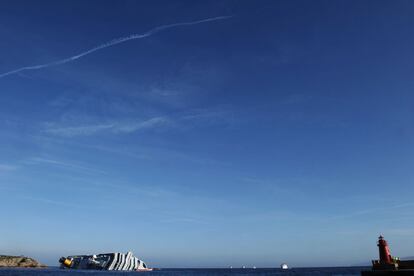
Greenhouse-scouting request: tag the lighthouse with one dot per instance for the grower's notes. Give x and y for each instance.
(386, 261)
(385, 257)
(387, 264)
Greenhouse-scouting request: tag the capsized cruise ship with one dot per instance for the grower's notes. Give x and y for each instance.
(107, 261)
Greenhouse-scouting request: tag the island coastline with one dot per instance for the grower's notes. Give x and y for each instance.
(19, 261)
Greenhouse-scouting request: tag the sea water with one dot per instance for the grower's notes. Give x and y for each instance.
(324, 271)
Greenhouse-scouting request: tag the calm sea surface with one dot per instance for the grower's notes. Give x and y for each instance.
(331, 271)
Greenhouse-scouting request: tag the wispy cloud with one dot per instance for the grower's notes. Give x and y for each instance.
(78, 130)
(7, 168)
(209, 115)
(188, 119)
(63, 203)
(199, 118)
(124, 126)
(63, 164)
(180, 220)
(50, 201)
(135, 126)
(112, 43)
(370, 211)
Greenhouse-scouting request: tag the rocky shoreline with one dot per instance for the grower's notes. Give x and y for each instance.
(19, 261)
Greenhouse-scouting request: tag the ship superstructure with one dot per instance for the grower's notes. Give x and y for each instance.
(107, 261)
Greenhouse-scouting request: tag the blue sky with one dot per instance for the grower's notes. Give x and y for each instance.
(282, 134)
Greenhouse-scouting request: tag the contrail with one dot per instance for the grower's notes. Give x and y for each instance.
(112, 43)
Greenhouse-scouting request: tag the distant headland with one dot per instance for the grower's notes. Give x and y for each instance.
(19, 261)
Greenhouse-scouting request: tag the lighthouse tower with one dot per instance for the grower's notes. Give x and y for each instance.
(385, 257)
(386, 261)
